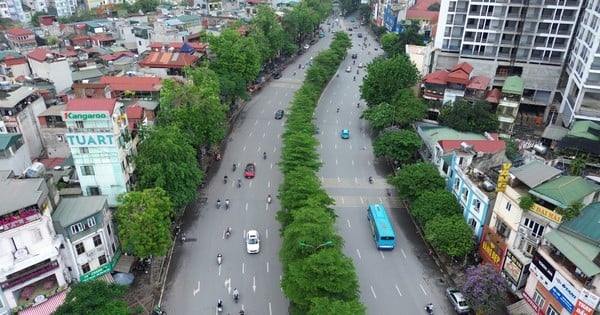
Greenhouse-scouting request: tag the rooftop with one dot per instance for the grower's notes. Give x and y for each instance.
(55, 110)
(419, 10)
(587, 225)
(16, 96)
(157, 59)
(150, 84)
(91, 104)
(565, 190)
(437, 77)
(8, 139)
(436, 133)
(534, 173)
(479, 82)
(18, 32)
(578, 251)
(484, 146)
(19, 193)
(513, 85)
(71, 210)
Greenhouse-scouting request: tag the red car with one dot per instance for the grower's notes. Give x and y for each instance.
(250, 170)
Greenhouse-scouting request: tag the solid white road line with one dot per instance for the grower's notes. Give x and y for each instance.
(373, 291)
(348, 223)
(358, 253)
(398, 290)
(423, 289)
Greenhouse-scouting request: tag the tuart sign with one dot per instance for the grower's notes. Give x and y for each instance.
(84, 115)
(90, 140)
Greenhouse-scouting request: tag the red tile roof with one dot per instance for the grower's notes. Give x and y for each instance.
(11, 60)
(91, 104)
(419, 11)
(134, 114)
(102, 37)
(485, 146)
(437, 77)
(168, 60)
(479, 82)
(156, 45)
(39, 54)
(116, 55)
(18, 32)
(147, 84)
(494, 96)
(68, 53)
(460, 73)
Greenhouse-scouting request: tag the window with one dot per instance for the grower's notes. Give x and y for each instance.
(79, 124)
(476, 205)
(551, 311)
(91, 222)
(87, 170)
(76, 228)
(108, 229)
(97, 241)
(473, 223)
(456, 184)
(84, 150)
(80, 248)
(465, 194)
(85, 268)
(538, 298)
(536, 229)
(93, 191)
(60, 138)
(530, 249)
(502, 229)
(508, 206)
(102, 260)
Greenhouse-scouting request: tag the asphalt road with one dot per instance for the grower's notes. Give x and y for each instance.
(397, 282)
(401, 281)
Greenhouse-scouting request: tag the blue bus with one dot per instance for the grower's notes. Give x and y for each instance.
(381, 227)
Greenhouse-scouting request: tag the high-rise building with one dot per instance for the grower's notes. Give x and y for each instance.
(581, 98)
(503, 38)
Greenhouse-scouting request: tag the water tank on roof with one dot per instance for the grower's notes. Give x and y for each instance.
(488, 186)
(35, 170)
(5, 85)
(540, 148)
(466, 147)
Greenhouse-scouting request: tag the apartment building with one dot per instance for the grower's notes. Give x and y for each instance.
(32, 272)
(581, 97)
(502, 38)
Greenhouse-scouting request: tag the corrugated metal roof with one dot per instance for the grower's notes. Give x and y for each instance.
(534, 173)
(8, 139)
(71, 210)
(579, 252)
(587, 225)
(565, 190)
(513, 85)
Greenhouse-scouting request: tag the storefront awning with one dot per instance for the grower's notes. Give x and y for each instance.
(124, 264)
(48, 307)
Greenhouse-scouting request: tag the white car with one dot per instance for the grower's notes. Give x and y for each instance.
(252, 242)
(348, 69)
(360, 65)
(306, 47)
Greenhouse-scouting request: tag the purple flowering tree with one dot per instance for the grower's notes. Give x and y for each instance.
(484, 289)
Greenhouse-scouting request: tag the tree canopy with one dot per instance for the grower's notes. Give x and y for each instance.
(464, 116)
(235, 54)
(415, 179)
(385, 77)
(402, 110)
(144, 219)
(395, 44)
(432, 203)
(450, 235)
(400, 145)
(167, 159)
(484, 289)
(94, 297)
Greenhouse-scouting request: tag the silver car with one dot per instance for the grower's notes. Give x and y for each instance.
(458, 301)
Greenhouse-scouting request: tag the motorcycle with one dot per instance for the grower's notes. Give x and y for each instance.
(225, 179)
(226, 204)
(219, 306)
(183, 238)
(218, 203)
(219, 258)
(236, 295)
(239, 183)
(269, 199)
(227, 232)
(264, 155)
(370, 179)
(158, 311)
(233, 167)
(429, 308)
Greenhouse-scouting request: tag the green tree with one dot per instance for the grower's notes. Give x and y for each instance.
(403, 109)
(572, 211)
(299, 150)
(144, 221)
(146, 5)
(398, 145)
(364, 11)
(385, 77)
(324, 305)
(166, 159)
(35, 18)
(94, 298)
(467, 117)
(433, 203)
(268, 32)
(325, 273)
(484, 289)
(450, 235)
(415, 179)
(390, 43)
(235, 54)
(300, 22)
(578, 165)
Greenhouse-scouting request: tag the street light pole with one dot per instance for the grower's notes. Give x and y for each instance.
(306, 245)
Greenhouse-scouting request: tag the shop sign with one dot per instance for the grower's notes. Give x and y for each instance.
(512, 267)
(543, 270)
(83, 115)
(90, 140)
(546, 213)
(503, 177)
(586, 303)
(564, 292)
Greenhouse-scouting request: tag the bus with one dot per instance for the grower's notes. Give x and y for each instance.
(381, 227)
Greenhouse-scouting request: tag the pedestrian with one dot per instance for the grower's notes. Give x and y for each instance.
(294, 72)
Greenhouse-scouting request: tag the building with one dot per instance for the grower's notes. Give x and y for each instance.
(17, 109)
(457, 84)
(514, 234)
(20, 39)
(14, 155)
(500, 39)
(472, 181)
(564, 268)
(51, 66)
(582, 90)
(508, 105)
(101, 144)
(167, 63)
(91, 246)
(12, 65)
(53, 130)
(32, 272)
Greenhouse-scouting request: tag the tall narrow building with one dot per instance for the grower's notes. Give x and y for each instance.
(503, 38)
(581, 99)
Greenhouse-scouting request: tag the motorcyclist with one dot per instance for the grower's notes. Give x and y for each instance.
(219, 305)
(219, 258)
(227, 203)
(225, 179)
(371, 179)
(338, 110)
(228, 231)
(233, 167)
(354, 78)
(269, 198)
(429, 308)
(265, 155)
(239, 182)
(218, 203)
(236, 294)
(357, 105)
(242, 312)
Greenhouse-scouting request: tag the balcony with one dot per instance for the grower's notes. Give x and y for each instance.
(564, 265)
(19, 218)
